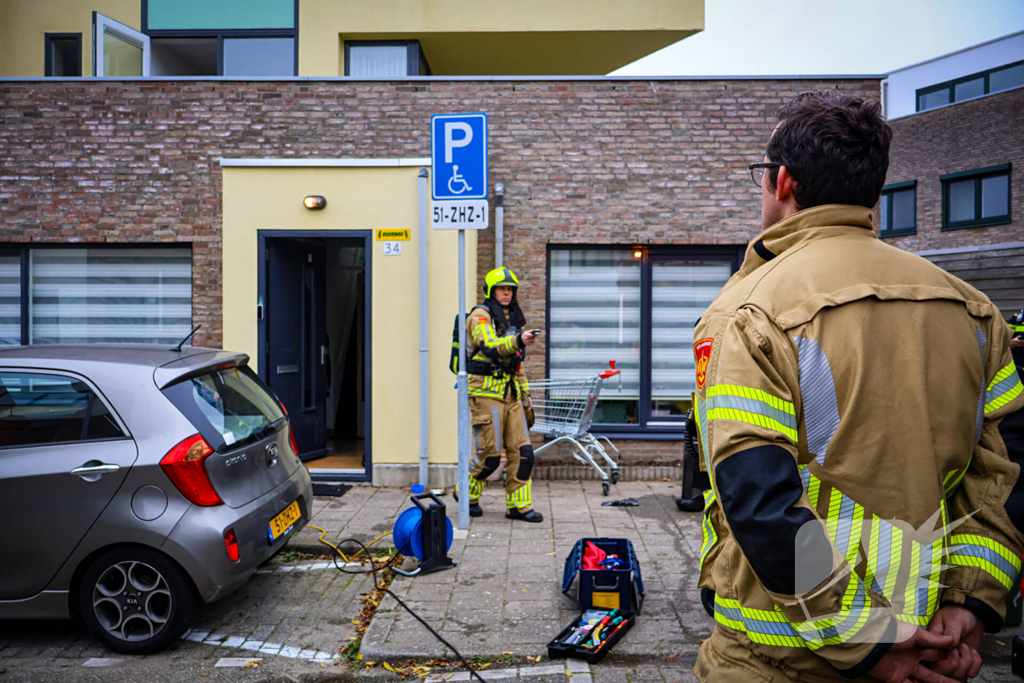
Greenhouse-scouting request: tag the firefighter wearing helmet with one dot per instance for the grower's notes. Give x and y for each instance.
(498, 388)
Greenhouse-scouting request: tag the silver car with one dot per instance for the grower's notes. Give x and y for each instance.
(136, 481)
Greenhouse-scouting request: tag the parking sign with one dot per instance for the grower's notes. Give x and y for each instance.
(458, 152)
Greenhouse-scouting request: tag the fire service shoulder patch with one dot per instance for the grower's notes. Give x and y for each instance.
(701, 357)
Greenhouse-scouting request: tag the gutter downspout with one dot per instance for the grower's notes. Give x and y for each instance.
(499, 225)
(424, 328)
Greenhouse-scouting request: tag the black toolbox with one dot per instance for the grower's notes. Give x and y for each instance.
(560, 650)
(619, 589)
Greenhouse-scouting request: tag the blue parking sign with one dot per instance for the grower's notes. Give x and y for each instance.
(458, 152)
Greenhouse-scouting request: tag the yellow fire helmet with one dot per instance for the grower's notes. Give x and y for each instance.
(499, 277)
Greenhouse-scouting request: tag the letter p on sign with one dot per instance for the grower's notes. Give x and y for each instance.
(450, 142)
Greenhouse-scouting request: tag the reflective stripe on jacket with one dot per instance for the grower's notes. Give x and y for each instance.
(849, 416)
(481, 331)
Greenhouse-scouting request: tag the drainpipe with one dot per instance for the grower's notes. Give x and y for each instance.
(424, 328)
(499, 225)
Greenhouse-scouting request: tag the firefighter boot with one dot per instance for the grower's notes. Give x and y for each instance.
(474, 507)
(528, 516)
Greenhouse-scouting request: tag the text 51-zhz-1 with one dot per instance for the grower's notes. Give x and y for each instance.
(458, 214)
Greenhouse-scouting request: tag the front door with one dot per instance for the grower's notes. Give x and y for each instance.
(296, 335)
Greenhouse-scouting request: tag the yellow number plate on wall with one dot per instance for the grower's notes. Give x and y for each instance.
(282, 522)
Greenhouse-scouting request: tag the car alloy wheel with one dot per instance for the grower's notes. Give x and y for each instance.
(132, 601)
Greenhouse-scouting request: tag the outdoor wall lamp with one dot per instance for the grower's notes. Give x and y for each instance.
(638, 252)
(314, 202)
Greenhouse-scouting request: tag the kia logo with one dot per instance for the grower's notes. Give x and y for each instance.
(271, 454)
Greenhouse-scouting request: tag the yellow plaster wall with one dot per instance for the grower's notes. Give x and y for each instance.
(23, 24)
(359, 199)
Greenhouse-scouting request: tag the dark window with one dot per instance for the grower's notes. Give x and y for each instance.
(973, 199)
(63, 54)
(230, 406)
(41, 409)
(898, 209)
(385, 58)
(1005, 79)
(968, 87)
(259, 57)
(636, 306)
(240, 38)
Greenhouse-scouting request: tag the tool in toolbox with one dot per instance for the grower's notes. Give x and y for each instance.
(565, 408)
(609, 590)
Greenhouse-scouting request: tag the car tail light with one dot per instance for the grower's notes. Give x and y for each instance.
(291, 440)
(282, 407)
(231, 544)
(185, 466)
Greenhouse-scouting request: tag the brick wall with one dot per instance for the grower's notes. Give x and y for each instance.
(961, 137)
(584, 161)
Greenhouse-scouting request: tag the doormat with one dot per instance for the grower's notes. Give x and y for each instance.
(330, 490)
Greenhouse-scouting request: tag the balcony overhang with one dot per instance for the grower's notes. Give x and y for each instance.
(497, 37)
(548, 53)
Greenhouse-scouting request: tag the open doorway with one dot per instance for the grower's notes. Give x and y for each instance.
(315, 330)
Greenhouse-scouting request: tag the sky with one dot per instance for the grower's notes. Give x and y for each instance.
(790, 37)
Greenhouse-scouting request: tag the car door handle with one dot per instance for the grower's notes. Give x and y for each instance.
(95, 470)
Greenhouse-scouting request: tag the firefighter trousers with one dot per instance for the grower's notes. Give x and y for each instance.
(500, 425)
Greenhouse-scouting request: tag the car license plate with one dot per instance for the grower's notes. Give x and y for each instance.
(280, 524)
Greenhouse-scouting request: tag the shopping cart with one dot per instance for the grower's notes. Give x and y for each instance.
(565, 408)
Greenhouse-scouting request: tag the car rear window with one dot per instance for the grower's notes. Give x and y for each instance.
(230, 406)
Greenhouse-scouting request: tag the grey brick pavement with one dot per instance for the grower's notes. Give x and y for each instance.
(503, 596)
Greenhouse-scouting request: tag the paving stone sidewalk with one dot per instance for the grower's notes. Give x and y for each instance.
(504, 595)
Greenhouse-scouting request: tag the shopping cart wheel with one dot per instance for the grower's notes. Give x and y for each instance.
(615, 476)
(604, 487)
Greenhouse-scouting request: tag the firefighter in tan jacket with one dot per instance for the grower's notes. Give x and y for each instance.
(854, 406)
(498, 388)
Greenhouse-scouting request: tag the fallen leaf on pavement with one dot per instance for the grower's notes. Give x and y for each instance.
(388, 667)
(665, 479)
(568, 674)
(508, 653)
(672, 658)
(534, 659)
(549, 553)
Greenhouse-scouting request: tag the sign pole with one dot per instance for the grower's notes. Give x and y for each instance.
(463, 396)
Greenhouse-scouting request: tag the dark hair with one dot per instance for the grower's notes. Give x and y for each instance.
(835, 146)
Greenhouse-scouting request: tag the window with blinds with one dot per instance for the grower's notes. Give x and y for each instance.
(680, 292)
(10, 300)
(637, 307)
(594, 317)
(103, 295)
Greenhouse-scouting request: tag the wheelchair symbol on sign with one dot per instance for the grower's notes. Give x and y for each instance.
(457, 179)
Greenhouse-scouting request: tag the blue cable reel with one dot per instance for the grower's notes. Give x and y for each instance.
(426, 531)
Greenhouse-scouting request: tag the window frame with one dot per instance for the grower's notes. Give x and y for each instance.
(126, 434)
(48, 65)
(221, 33)
(978, 175)
(651, 253)
(887, 192)
(22, 251)
(414, 57)
(951, 86)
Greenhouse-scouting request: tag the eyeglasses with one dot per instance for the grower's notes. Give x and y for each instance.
(757, 170)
